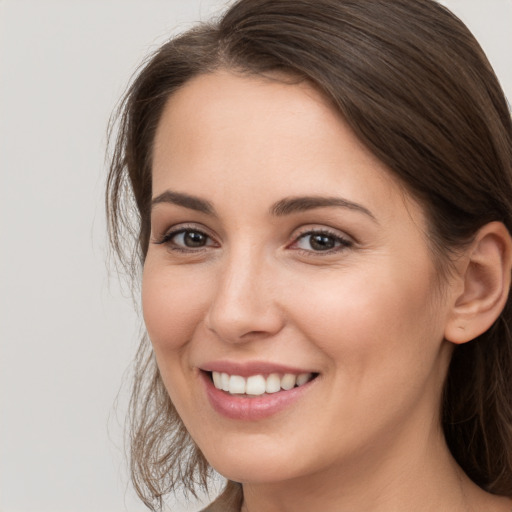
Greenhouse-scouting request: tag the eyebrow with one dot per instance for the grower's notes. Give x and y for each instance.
(286, 206)
(301, 204)
(185, 200)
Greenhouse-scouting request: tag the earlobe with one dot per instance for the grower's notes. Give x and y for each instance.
(485, 284)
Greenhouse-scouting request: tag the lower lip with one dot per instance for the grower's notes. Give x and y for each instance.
(251, 408)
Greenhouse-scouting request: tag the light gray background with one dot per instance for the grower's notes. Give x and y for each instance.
(66, 333)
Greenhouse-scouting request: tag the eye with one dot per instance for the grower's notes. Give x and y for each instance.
(191, 239)
(321, 241)
(186, 239)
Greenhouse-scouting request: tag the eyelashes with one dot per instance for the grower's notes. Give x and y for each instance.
(187, 239)
(320, 241)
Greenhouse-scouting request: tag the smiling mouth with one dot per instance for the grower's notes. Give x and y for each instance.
(260, 384)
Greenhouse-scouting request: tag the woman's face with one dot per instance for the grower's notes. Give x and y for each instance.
(281, 246)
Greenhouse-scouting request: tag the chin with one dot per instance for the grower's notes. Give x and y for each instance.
(250, 461)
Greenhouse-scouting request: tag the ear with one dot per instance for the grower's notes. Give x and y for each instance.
(483, 284)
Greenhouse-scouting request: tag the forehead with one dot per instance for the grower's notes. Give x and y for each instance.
(264, 137)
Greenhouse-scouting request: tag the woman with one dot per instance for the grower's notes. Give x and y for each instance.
(323, 190)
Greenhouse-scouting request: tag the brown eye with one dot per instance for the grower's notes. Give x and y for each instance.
(187, 239)
(193, 239)
(320, 241)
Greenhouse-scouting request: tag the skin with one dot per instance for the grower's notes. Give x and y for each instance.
(370, 317)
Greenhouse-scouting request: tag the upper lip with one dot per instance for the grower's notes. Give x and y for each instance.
(248, 368)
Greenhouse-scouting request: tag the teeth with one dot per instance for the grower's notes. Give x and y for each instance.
(303, 378)
(273, 384)
(224, 382)
(217, 380)
(257, 384)
(237, 385)
(288, 381)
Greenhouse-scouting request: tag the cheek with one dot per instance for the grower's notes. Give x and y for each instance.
(361, 319)
(172, 308)
(173, 304)
(381, 341)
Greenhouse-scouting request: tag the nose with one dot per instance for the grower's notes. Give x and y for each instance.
(244, 305)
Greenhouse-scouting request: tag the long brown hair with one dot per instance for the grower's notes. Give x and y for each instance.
(418, 91)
